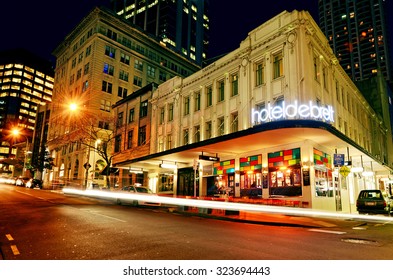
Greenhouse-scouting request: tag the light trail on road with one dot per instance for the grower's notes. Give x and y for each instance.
(223, 205)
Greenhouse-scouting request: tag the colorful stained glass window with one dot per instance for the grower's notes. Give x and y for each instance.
(224, 167)
(284, 158)
(251, 163)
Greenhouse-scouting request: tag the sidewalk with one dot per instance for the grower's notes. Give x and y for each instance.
(255, 217)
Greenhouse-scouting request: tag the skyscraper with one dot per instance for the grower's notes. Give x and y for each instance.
(357, 33)
(26, 81)
(182, 26)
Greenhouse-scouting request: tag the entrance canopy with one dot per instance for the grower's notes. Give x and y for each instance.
(259, 137)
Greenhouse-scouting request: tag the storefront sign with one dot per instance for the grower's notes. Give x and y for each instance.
(290, 111)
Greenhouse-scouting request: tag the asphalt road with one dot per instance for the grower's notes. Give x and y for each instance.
(43, 225)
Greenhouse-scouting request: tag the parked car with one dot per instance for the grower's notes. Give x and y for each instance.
(21, 181)
(139, 190)
(34, 183)
(375, 202)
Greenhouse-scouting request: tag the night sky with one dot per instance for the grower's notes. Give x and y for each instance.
(40, 26)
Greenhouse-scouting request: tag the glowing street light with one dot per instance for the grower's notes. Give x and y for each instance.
(16, 132)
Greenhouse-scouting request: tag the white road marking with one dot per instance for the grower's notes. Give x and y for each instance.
(15, 250)
(328, 231)
(9, 237)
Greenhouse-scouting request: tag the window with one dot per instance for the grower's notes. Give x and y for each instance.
(123, 75)
(197, 101)
(117, 143)
(162, 76)
(119, 119)
(109, 69)
(169, 141)
(234, 122)
(208, 130)
(85, 86)
(235, 87)
(122, 92)
(162, 115)
(106, 87)
(137, 81)
(125, 58)
(86, 69)
(221, 126)
(143, 112)
(151, 71)
(88, 51)
(170, 112)
(259, 74)
(221, 91)
(186, 105)
(138, 65)
(197, 133)
(278, 70)
(112, 35)
(110, 51)
(78, 74)
(103, 125)
(129, 139)
(80, 57)
(185, 136)
(105, 105)
(142, 136)
(209, 96)
(131, 115)
(324, 77)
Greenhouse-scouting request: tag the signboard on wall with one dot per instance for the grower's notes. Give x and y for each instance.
(338, 159)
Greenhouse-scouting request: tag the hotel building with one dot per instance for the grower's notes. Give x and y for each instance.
(277, 120)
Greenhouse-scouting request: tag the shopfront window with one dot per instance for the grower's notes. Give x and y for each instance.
(225, 172)
(323, 174)
(251, 179)
(285, 173)
(165, 182)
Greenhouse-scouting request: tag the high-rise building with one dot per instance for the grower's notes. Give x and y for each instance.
(26, 81)
(103, 60)
(357, 31)
(182, 26)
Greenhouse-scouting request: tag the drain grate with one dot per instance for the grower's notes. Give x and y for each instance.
(360, 241)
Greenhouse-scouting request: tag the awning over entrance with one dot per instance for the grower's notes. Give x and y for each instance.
(259, 137)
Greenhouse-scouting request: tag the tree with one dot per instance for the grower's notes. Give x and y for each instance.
(94, 133)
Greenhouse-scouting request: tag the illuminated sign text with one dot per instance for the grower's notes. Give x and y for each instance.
(292, 111)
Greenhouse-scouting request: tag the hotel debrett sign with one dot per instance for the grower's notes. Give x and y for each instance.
(292, 111)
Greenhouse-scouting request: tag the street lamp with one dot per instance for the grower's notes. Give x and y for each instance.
(16, 132)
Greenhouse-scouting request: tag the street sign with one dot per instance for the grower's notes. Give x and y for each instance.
(210, 158)
(87, 165)
(338, 159)
(344, 171)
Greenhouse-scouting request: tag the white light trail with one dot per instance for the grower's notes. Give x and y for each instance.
(223, 205)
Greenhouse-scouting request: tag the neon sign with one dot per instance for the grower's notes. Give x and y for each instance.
(292, 111)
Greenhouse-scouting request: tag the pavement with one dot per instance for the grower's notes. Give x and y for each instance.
(265, 218)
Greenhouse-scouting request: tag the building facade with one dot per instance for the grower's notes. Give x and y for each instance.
(103, 60)
(277, 120)
(182, 26)
(26, 82)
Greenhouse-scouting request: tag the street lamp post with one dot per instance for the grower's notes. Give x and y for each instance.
(17, 133)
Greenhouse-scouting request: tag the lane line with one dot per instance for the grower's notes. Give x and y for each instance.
(327, 231)
(15, 250)
(9, 237)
